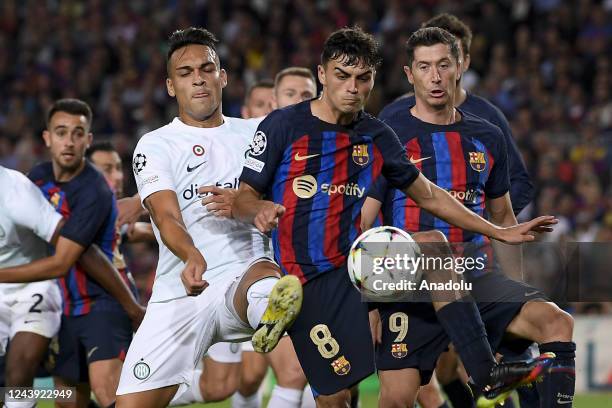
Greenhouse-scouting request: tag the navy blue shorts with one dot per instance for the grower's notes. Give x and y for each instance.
(425, 339)
(100, 335)
(331, 335)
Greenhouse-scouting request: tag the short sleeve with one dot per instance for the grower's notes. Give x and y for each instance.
(378, 190)
(31, 210)
(397, 169)
(151, 165)
(266, 152)
(89, 210)
(498, 182)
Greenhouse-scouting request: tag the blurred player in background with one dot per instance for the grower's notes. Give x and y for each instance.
(291, 85)
(259, 100)
(331, 141)
(463, 154)
(95, 328)
(215, 280)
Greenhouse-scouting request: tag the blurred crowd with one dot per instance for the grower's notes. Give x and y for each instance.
(546, 64)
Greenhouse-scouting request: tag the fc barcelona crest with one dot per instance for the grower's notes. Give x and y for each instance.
(478, 161)
(360, 154)
(341, 366)
(399, 350)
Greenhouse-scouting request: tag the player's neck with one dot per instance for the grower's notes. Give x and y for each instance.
(323, 109)
(444, 116)
(215, 119)
(460, 95)
(63, 175)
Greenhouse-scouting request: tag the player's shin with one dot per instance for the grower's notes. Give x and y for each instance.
(557, 388)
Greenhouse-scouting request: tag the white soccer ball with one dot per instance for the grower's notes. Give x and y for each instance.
(380, 264)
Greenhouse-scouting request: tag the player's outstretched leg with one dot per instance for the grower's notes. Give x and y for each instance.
(268, 303)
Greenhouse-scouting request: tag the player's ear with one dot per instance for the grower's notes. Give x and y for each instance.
(170, 87)
(321, 74)
(89, 139)
(47, 138)
(466, 63)
(223, 76)
(408, 73)
(274, 101)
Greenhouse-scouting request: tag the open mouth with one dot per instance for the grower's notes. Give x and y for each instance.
(437, 93)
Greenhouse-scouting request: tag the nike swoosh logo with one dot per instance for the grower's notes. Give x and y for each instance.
(560, 401)
(415, 161)
(30, 321)
(190, 169)
(535, 292)
(297, 157)
(91, 352)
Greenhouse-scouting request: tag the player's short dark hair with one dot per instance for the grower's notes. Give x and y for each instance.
(71, 106)
(263, 83)
(188, 36)
(352, 46)
(101, 146)
(455, 26)
(295, 71)
(428, 36)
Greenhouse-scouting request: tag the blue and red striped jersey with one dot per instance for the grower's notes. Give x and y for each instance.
(468, 159)
(522, 190)
(89, 207)
(320, 172)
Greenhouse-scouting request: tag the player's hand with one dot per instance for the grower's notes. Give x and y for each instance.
(220, 200)
(267, 217)
(129, 210)
(525, 232)
(136, 313)
(192, 274)
(375, 326)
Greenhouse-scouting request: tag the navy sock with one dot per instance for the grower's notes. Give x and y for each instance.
(459, 394)
(463, 325)
(557, 388)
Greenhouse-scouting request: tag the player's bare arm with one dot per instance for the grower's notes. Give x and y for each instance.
(165, 212)
(130, 210)
(219, 200)
(98, 266)
(369, 212)
(510, 257)
(441, 204)
(140, 232)
(249, 207)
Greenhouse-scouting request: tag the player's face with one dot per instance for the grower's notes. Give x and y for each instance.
(346, 87)
(294, 89)
(434, 74)
(109, 163)
(260, 103)
(196, 80)
(67, 138)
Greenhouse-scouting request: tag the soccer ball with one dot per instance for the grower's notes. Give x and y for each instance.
(139, 162)
(381, 264)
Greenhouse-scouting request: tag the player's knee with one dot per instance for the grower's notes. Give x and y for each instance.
(21, 367)
(292, 376)
(429, 396)
(337, 400)
(560, 326)
(213, 391)
(396, 397)
(250, 381)
(104, 392)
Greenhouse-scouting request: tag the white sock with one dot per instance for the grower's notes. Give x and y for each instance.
(240, 401)
(190, 394)
(308, 400)
(257, 296)
(285, 398)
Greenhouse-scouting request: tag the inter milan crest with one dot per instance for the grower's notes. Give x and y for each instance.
(399, 350)
(478, 161)
(341, 366)
(360, 154)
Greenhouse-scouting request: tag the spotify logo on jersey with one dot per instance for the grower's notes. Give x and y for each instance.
(305, 186)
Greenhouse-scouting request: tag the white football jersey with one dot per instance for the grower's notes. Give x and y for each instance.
(27, 223)
(183, 158)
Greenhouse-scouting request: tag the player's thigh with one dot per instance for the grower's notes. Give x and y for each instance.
(541, 322)
(331, 334)
(253, 370)
(24, 356)
(82, 393)
(398, 388)
(411, 337)
(170, 342)
(286, 366)
(221, 371)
